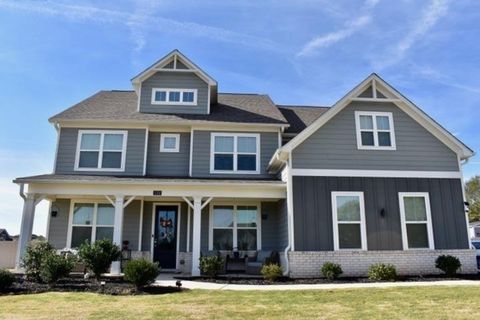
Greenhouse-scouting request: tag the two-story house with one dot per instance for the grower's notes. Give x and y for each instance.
(175, 168)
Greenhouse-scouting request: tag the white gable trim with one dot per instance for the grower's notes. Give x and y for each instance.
(392, 96)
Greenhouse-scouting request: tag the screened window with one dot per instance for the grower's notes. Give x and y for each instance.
(169, 142)
(237, 153)
(174, 96)
(234, 227)
(416, 221)
(90, 222)
(349, 221)
(375, 130)
(101, 150)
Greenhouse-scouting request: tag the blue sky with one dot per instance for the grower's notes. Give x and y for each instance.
(56, 53)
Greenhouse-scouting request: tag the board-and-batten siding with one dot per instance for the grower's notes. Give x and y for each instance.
(312, 207)
(168, 164)
(175, 80)
(201, 155)
(334, 145)
(67, 148)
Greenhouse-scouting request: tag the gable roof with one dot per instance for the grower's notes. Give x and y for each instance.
(121, 106)
(381, 92)
(300, 117)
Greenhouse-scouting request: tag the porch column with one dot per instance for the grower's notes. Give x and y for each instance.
(197, 221)
(117, 231)
(25, 228)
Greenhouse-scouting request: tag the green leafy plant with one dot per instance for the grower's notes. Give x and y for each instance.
(211, 265)
(55, 266)
(382, 272)
(448, 264)
(99, 255)
(271, 272)
(331, 271)
(34, 255)
(6, 279)
(141, 272)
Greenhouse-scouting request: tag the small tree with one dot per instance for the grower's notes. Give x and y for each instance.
(99, 256)
(141, 272)
(34, 255)
(55, 266)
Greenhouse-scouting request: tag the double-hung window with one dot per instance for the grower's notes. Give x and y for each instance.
(234, 226)
(90, 222)
(417, 231)
(101, 150)
(174, 96)
(235, 153)
(375, 130)
(349, 231)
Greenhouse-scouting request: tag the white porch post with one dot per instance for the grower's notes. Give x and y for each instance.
(197, 221)
(117, 231)
(25, 228)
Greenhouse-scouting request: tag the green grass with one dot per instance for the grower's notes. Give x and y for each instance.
(372, 303)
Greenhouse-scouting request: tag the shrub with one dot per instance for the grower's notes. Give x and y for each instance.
(141, 272)
(271, 272)
(382, 272)
(34, 255)
(211, 265)
(6, 279)
(448, 264)
(331, 271)
(55, 266)
(99, 256)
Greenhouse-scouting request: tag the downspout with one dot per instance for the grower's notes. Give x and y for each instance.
(289, 190)
(22, 193)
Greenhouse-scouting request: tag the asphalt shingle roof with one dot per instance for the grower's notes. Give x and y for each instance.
(300, 117)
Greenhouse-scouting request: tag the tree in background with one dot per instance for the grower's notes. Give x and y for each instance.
(472, 192)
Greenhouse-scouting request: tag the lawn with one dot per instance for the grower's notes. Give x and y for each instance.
(397, 303)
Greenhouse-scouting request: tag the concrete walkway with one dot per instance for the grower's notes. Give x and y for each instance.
(168, 280)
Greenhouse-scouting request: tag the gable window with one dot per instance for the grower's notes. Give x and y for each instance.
(91, 222)
(234, 226)
(349, 231)
(174, 96)
(375, 130)
(417, 232)
(101, 150)
(169, 142)
(235, 153)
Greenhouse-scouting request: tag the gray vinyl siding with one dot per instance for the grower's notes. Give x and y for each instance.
(273, 226)
(170, 164)
(312, 209)
(180, 80)
(58, 226)
(67, 147)
(201, 155)
(334, 146)
(131, 224)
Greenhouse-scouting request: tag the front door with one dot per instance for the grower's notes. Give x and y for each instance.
(165, 237)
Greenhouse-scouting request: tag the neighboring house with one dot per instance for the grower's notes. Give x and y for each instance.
(4, 236)
(176, 168)
(474, 230)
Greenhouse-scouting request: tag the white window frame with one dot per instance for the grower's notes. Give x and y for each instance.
(375, 131)
(426, 196)
(101, 150)
(235, 153)
(362, 222)
(169, 135)
(235, 227)
(178, 103)
(94, 219)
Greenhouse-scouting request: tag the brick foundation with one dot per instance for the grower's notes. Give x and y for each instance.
(185, 262)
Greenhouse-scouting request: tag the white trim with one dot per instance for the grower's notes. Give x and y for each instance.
(139, 93)
(154, 206)
(191, 153)
(376, 173)
(464, 197)
(428, 222)
(374, 130)
(59, 131)
(101, 150)
(176, 103)
(47, 232)
(140, 226)
(362, 222)
(235, 152)
(145, 154)
(176, 136)
(290, 211)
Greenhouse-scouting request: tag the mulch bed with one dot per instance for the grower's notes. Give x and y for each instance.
(238, 279)
(113, 286)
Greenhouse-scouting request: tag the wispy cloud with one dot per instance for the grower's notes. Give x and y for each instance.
(138, 22)
(435, 10)
(349, 28)
(435, 76)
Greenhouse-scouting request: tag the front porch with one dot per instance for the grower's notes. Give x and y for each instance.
(172, 221)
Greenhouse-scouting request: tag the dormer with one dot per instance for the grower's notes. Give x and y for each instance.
(175, 85)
